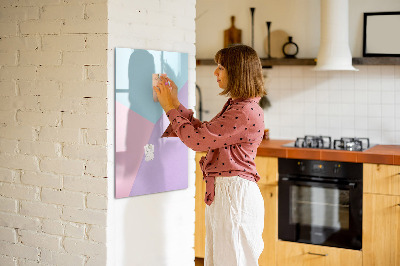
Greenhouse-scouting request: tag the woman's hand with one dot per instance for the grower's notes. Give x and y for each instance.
(164, 95)
(174, 91)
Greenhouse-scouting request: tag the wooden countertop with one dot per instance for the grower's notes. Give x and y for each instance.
(379, 154)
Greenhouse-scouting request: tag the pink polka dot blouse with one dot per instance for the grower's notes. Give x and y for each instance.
(231, 139)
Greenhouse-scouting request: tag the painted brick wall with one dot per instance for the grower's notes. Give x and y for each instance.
(155, 229)
(53, 115)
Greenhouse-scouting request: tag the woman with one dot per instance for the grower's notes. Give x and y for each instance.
(235, 207)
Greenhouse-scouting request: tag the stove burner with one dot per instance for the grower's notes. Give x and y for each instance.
(308, 141)
(324, 142)
(351, 144)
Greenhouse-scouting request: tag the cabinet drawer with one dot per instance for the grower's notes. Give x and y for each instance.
(267, 168)
(293, 254)
(381, 230)
(381, 179)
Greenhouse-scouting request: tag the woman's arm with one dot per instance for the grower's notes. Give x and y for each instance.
(228, 129)
(162, 92)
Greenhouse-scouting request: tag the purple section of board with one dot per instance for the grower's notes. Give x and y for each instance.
(170, 172)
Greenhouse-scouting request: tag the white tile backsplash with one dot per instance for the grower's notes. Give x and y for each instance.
(387, 71)
(374, 83)
(388, 97)
(388, 83)
(361, 124)
(374, 97)
(374, 110)
(397, 123)
(348, 96)
(387, 124)
(364, 103)
(388, 111)
(322, 121)
(361, 110)
(347, 110)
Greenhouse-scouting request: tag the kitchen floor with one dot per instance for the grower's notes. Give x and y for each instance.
(199, 262)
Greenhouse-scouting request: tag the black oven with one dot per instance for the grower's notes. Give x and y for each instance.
(320, 202)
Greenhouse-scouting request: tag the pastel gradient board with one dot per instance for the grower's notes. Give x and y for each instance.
(140, 122)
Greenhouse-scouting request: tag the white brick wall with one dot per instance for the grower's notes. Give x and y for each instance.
(75, 230)
(53, 109)
(61, 258)
(56, 128)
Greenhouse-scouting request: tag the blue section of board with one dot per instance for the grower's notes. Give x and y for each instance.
(134, 77)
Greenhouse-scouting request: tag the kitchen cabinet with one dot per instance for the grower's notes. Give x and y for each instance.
(381, 221)
(200, 207)
(267, 168)
(381, 179)
(291, 253)
(270, 233)
(381, 230)
(381, 215)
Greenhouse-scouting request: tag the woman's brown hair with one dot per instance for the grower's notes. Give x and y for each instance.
(245, 78)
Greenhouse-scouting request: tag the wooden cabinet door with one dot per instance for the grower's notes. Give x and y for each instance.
(200, 207)
(297, 254)
(381, 230)
(381, 179)
(270, 233)
(267, 168)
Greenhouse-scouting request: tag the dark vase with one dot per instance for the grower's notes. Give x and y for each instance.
(290, 49)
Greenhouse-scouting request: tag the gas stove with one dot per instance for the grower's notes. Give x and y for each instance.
(325, 142)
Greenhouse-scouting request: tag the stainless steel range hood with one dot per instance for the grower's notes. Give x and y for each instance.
(334, 52)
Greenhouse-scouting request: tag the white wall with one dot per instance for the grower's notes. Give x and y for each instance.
(153, 229)
(338, 104)
(298, 18)
(53, 107)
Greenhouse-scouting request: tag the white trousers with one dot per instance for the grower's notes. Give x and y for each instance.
(234, 223)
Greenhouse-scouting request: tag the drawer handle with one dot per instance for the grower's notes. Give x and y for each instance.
(318, 254)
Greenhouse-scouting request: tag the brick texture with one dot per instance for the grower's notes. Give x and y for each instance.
(55, 113)
(53, 109)
(53, 227)
(8, 234)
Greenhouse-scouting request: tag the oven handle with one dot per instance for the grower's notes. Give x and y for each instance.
(297, 181)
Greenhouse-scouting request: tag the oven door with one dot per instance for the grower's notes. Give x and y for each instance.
(321, 212)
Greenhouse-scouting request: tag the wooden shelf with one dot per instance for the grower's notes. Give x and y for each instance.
(266, 63)
(376, 61)
(312, 61)
(288, 62)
